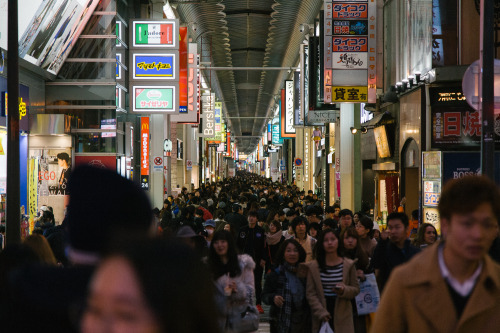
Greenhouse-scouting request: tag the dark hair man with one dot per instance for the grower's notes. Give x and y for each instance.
(454, 283)
(394, 251)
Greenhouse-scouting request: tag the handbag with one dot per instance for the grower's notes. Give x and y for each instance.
(246, 321)
(369, 296)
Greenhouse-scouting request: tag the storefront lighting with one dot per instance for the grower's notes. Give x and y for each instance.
(411, 81)
(399, 87)
(362, 130)
(417, 77)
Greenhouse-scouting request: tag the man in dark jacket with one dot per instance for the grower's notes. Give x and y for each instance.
(236, 219)
(251, 240)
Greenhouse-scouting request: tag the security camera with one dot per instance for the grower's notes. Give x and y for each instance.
(194, 26)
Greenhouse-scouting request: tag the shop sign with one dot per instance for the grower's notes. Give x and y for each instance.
(118, 33)
(192, 116)
(208, 106)
(155, 34)
(432, 191)
(183, 63)
(345, 27)
(349, 44)
(218, 116)
(145, 152)
(349, 10)
(346, 60)
(276, 139)
(322, 116)
(431, 215)
(289, 108)
(349, 94)
(431, 164)
(153, 98)
(118, 67)
(447, 96)
(458, 127)
(154, 66)
(460, 164)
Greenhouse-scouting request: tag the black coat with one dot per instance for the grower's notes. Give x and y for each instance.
(252, 242)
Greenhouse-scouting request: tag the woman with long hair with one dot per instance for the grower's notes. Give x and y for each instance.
(284, 291)
(365, 231)
(426, 235)
(331, 285)
(151, 286)
(41, 247)
(274, 239)
(233, 278)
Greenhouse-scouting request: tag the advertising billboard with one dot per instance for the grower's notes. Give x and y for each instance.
(49, 33)
(155, 34)
(154, 66)
(153, 98)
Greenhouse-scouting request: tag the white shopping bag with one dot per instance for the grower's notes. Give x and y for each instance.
(325, 328)
(369, 297)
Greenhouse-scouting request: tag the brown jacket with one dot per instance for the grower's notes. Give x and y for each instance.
(416, 299)
(342, 318)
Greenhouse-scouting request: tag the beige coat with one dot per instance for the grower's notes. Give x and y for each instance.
(342, 318)
(416, 299)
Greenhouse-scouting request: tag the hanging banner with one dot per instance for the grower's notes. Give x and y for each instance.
(145, 152)
(183, 56)
(192, 116)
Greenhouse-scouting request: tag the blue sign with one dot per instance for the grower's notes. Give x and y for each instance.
(276, 139)
(154, 66)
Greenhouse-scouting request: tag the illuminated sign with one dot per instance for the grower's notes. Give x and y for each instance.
(157, 34)
(345, 27)
(346, 60)
(183, 55)
(154, 66)
(289, 108)
(145, 152)
(193, 114)
(153, 98)
(118, 33)
(382, 142)
(349, 10)
(349, 94)
(118, 67)
(207, 106)
(349, 44)
(22, 106)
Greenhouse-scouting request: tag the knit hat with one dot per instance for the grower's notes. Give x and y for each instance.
(185, 232)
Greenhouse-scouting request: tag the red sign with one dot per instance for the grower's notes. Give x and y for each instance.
(350, 10)
(108, 162)
(144, 146)
(183, 54)
(350, 44)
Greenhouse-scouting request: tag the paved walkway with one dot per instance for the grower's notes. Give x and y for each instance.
(264, 320)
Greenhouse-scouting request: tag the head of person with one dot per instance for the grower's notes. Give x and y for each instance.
(63, 159)
(329, 212)
(397, 225)
(350, 247)
(364, 227)
(350, 238)
(166, 204)
(469, 209)
(223, 255)
(427, 234)
(330, 224)
(314, 228)
(103, 207)
(328, 243)
(313, 214)
(345, 218)
(274, 226)
(290, 252)
(209, 227)
(336, 209)
(357, 216)
(376, 230)
(237, 209)
(40, 245)
(252, 219)
(151, 286)
(299, 226)
(187, 235)
(291, 214)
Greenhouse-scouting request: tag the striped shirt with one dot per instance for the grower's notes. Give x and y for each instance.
(330, 276)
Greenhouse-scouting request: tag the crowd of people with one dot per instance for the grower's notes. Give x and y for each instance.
(211, 257)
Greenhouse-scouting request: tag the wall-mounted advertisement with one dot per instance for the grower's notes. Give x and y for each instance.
(193, 113)
(118, 67)
(345, 60)
(49, 29)
(207, 107)
(145, 148)
(349, 43)
(154, 99)
(289, 108)
(155, 34)
(154, 66)
(119, 33)
(349, 94)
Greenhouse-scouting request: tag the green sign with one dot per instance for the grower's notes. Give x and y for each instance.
(151, 99)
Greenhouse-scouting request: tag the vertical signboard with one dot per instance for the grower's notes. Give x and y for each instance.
(145, 152)
(207, 107)
(193, 112)
(350, 51)
(304, 83)
(217, 119)
(155, 34)
(183, 56)
(289, 108)
(297, 98)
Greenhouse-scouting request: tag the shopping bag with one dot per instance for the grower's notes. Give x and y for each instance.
(369, 297)
(325, 328)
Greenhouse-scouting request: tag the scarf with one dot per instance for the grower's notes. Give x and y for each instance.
(273, 239)
(293, 292)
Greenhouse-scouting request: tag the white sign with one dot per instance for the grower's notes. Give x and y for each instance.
(207, 107)
(344, 60)
(289, 109)
(189, 165)
(322, 116)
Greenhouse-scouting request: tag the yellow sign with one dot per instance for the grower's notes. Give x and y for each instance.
(356, 94)
(2, 152)
(22, 107)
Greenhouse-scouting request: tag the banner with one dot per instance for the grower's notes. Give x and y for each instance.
(145, 152)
